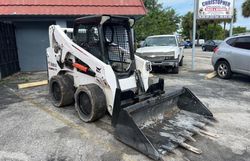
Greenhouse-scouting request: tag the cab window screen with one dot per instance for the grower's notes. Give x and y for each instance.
(118, 48)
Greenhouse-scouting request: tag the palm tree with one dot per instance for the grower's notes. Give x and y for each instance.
(246, 8)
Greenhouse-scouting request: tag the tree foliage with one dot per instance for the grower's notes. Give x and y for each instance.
(213, 31)
(152, 5)
(157, 21)
(239, 29)
(187, 25)
(246, 8)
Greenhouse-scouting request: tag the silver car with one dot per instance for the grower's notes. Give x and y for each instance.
(232, 56)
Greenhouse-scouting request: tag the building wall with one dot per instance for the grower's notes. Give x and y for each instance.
(32, 41)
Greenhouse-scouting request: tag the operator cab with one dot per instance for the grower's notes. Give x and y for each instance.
(109, 39)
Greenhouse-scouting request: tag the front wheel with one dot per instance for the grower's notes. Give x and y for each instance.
(181, 62)
(90, 102)
(223, 70)
(203, 48)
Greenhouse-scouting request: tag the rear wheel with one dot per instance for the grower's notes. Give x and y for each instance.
(223, 70)
(61, 90)
(204, 48)
(90, 102)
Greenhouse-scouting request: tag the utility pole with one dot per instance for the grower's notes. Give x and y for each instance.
(194, 34)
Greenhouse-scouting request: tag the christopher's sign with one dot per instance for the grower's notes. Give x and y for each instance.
(215, 9)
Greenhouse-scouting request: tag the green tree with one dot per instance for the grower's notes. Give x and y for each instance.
(239, 29)
(202, 25)
(187, 25)
(217, 30)
(158, 21)
(246, 8)
(152, 4)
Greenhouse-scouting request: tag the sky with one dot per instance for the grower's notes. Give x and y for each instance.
(183, 6)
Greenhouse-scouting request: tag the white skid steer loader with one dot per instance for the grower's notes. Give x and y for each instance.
(94, 65)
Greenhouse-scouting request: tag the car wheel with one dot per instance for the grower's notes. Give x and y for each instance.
(223, 70)
(203, 48)
(181, 62)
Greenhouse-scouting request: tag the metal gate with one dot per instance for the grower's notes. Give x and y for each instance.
(8, 50)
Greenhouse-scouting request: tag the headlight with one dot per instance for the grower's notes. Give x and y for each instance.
(148, 66)
(170, 53)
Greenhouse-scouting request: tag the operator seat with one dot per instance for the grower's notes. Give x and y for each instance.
(94, 44)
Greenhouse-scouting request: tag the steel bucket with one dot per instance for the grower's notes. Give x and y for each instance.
(159, 124)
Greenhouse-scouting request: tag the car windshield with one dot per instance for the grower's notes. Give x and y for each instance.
(160, 41)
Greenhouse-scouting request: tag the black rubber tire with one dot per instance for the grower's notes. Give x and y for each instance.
(226, 66)
(175, 70)
(204, 48)
(181, 62)
(61, 89)
(90, 102)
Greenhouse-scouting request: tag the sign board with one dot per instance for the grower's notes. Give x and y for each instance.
(215, 9)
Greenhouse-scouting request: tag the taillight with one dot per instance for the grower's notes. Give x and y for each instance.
(216, 50)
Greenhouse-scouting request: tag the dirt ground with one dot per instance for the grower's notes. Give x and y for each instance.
(32, 129)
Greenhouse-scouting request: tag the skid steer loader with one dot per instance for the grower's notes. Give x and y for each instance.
(94, 66)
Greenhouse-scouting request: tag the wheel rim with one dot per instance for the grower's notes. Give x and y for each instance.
(84, 104)
(56, 90)
(222, 70)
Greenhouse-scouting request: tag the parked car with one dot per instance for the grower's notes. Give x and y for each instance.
(210, 45)
(162, 51)
(232, 56)
(187, 44)
(201, 42)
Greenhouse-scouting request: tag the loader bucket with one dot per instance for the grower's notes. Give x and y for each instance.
(159, 124)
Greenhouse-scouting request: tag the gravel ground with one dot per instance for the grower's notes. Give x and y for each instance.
(32, 129)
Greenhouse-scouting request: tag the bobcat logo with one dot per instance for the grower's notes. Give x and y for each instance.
(98, 70)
